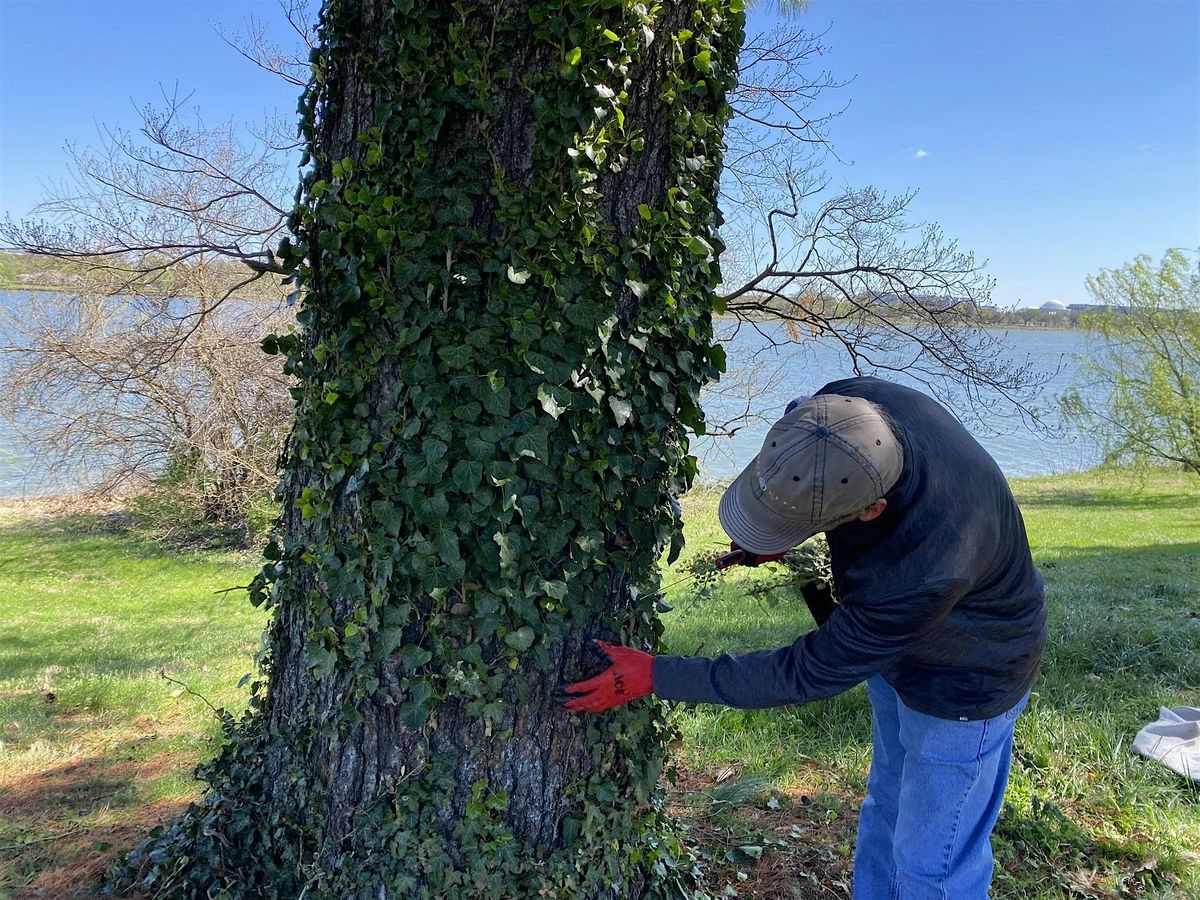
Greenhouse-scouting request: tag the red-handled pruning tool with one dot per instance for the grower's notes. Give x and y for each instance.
(738, 556)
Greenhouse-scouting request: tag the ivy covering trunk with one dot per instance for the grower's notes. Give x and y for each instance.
(506, 246)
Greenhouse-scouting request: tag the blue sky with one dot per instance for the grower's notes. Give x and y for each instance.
(1051, 137)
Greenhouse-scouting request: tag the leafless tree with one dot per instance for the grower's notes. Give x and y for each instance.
(98, 408)
(149, 361)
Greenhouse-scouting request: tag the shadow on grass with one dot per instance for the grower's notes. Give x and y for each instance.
(1129, 612)
(59, 827)
(23, 659)
(72, 540)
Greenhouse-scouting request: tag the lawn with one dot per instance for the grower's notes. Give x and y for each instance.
(98, 736)
(96, 745)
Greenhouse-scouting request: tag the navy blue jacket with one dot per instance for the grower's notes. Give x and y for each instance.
(939, 593)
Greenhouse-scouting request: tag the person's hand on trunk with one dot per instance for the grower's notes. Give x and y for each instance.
(630, 677)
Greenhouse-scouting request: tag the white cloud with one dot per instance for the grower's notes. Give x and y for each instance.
(920, 154)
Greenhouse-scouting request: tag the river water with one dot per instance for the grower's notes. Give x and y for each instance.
(761, 380)
(764, 378)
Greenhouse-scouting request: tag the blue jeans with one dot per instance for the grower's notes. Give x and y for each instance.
(933, 797)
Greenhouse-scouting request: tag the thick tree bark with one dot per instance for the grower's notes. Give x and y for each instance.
(506, 238)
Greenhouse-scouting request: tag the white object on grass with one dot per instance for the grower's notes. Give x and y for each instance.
(1173, 740)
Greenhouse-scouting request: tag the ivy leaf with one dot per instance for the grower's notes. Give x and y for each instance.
(468, 412)
(467, 475)
(388, 516)
(458, 356)
(389, 639)
(622, 410)
(415, 712)
(533, 443)
(423, 470)
(693, 418)
(435, 508)
(320, 660)
(445, 542)
(414, 657)
(521, 639)
(639, 288)
(556, 370)
(574, 55)
(526, 333)
(717, 354)
(676, 545)
(518, 276)
(699, 246)
(479, 448)
(497, 399)
(704, 61)
(508, 555)
(551, 399)
(590, 543)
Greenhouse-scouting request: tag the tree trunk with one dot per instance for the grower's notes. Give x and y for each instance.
(506, 236)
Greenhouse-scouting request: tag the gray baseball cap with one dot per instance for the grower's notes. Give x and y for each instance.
(828, 458)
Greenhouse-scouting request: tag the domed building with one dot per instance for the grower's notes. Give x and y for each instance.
(1053, 306)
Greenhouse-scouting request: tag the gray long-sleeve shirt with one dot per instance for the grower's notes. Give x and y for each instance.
(939, 594)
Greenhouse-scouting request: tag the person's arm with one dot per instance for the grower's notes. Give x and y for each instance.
(856, 642)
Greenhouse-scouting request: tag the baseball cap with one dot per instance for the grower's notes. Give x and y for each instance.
(829, 457)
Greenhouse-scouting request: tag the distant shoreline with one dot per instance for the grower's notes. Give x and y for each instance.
(981, 326)
(17, 287)
(28, 286)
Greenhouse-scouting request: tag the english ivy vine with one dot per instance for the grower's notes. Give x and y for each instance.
(510, 278)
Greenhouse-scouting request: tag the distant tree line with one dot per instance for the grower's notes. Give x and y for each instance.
(30, 271)
(1033, 317)
(899, 307)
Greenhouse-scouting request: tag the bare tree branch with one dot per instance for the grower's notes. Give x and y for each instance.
(286, 62)
(847, 266)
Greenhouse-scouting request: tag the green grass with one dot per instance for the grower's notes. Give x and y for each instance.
(96, 746)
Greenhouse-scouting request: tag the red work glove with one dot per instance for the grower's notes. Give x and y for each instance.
(628, 678)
